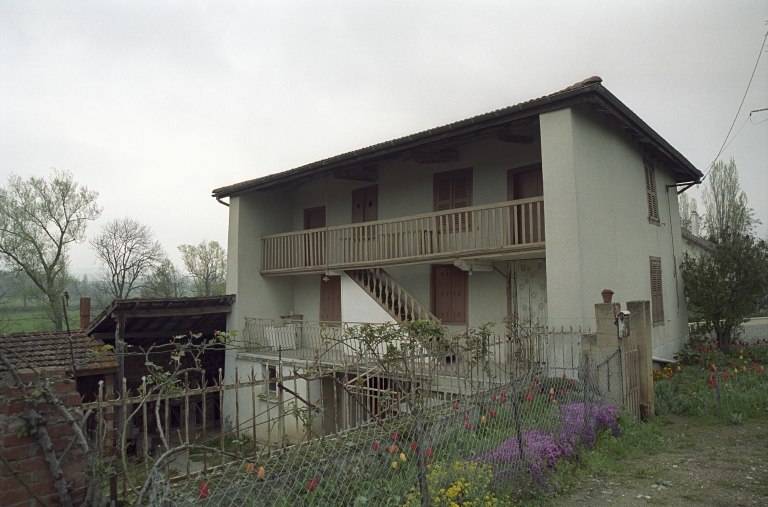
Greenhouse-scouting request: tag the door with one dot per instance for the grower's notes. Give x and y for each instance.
(524, 183)
(314, 242)
(449, 294)
(330, 299)
(365, 208)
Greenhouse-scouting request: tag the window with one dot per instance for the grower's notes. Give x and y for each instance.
(650, 193)
(272, 374)
(657, 304)
(453, 190)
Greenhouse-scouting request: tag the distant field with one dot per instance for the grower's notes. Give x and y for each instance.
(15, 318)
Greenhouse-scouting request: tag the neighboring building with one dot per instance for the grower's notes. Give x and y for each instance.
(449, 224)
(694, 244)
(85, 359)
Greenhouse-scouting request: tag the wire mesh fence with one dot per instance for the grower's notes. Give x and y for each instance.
(479, 417)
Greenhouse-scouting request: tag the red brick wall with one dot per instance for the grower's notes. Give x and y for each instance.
(25, 453)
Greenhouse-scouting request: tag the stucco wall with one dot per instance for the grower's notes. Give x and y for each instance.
(598, 234)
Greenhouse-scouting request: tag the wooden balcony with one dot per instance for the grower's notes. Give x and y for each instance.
(491, 230)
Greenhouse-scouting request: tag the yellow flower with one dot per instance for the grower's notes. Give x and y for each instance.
(394, 464)
(402, 456)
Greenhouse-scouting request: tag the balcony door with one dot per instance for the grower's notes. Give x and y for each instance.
(449, 294)
(524, 183)
(314, 242)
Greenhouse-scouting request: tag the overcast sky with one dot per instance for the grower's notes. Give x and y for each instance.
(154, 104)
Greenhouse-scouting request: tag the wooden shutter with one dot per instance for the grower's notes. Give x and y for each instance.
(657, 303)
(650, 192)
(453, 189)
(443, 191)
(449, 294)
(330, 299)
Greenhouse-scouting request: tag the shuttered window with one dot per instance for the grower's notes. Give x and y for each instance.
(365, 204)
(453, 189)
(449, 294)
(657, 303)
(650, 193)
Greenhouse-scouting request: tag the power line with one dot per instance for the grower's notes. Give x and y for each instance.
(739, 110)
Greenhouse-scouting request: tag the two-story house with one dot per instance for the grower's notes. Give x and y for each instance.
(527, 211)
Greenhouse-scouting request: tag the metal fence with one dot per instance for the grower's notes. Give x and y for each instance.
(488, 416)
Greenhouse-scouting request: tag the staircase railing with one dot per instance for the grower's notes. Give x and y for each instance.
(390, 295)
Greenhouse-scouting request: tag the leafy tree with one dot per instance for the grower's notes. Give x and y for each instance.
(726, 287)
(39, 219)
(725, 204)
(207, 263)
(128, 250)
(165, 281)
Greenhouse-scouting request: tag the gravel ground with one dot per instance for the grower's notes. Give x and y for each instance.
(717, 465)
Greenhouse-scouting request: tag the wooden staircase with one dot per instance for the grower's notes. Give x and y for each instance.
(390, 295)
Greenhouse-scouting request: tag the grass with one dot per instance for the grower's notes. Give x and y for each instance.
(16, 318)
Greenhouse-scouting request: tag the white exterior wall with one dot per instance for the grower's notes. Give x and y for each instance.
(598, 234)
(358, 306)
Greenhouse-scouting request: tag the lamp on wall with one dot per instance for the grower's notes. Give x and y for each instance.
(326, 277)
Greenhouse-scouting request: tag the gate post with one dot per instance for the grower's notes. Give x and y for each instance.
(640, 323)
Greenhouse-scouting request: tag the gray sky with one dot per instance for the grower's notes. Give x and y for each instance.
(154, 104)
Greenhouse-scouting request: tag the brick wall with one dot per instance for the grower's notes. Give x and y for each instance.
(25, 454)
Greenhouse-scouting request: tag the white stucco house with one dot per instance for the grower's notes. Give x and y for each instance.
(530, 210)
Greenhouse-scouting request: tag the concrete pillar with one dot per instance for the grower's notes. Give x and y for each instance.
(607, 338)
(641, 326)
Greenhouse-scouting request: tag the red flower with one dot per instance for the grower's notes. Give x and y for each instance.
(527, 407)
(311, 485)
(395, 436)
(456, 405)
(493, 398)
(529, 396)
(413, 446)
(504, 391)
(468, 425)
(493, 415)
(203, 493)
(536, 380)
(561, 391)
(565, 377)
(375, 446)
(502, 400)
(429, 452)
(466, 417)
(573, 382)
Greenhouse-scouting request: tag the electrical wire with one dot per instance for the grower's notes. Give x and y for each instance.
(739, 110)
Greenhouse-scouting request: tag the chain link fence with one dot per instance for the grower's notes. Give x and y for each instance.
(493, 440)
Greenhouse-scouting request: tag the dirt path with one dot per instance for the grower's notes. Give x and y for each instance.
(718, 465)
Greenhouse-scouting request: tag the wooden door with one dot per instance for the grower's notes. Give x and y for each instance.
(330, 299)
(524, 183)
(449, 294)
(365, 204)
(314, 242)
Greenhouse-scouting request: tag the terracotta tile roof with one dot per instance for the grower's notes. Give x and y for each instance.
(53, 350)
(592, 84)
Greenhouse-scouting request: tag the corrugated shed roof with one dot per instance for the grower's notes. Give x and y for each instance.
(56, 350)
(592, 84)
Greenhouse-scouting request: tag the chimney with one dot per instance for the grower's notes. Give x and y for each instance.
(695, 223)
(85, 312)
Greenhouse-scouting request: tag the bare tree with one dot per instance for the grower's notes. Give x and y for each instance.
(39, 218)
(165, 281)
(129, 251)
(207, 263)
(725, 204)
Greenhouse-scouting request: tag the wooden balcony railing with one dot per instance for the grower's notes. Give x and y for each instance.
(487, 230)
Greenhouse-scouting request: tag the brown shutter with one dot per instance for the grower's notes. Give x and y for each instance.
(657, 303)
(358, 206)
(330, 299)
(371, 204)
(443, 191)
(462, 189)
(449, 294)
(650, 192)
